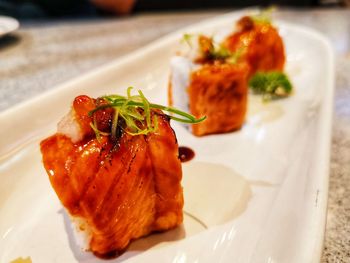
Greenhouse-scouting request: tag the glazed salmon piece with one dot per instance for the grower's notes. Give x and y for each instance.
(260, 45)
(167, 175)
(119, 190)
(218, 91)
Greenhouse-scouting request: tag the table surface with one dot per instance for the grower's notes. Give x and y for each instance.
(41, 55)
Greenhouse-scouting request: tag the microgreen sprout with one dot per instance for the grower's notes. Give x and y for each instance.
(98, 133)
(187, 38)
(220, 52)
(264, 16)
(212, 50)
(136, 111)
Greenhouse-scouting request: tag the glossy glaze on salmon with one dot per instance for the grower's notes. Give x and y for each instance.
(260, 45)
(120, 188)
(218, 91)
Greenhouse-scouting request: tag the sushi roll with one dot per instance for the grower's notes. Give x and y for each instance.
(212, 79)
(259, 44)
(213, 84)
(115, 167)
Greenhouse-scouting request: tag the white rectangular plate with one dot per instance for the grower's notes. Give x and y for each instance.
(256, 195)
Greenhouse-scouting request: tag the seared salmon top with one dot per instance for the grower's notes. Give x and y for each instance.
(260, 45)
(119, 188)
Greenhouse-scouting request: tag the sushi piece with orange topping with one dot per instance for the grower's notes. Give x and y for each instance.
(258, 43)
(115, 167)
(214, 84)
(214, 81)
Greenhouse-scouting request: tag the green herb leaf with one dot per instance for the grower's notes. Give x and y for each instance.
(227, 55)
(187, 38)
(136, 112)
(211, 50)
(264, 16)
(98, 133)
(220, 52)
(271, 84)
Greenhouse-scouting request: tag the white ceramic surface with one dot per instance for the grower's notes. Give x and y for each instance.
(7, 25)
(256, 195)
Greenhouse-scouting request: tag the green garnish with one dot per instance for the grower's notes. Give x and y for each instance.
(264, 16)
(271, 85)
(98, 133)
(234, 56)
(187, 38)
(135, 110)
(220, 52)
(215, 51)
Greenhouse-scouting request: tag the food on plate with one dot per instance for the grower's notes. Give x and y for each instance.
(114, 164)
(261, 47)
(212, 84)
(259, 43)
(212, 78)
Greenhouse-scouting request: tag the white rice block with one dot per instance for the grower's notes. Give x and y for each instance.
(69, 126)
(181, 68)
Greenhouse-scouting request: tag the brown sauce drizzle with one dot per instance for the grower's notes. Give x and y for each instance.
(185, 154)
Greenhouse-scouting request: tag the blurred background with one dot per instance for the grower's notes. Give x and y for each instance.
(33, 9)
